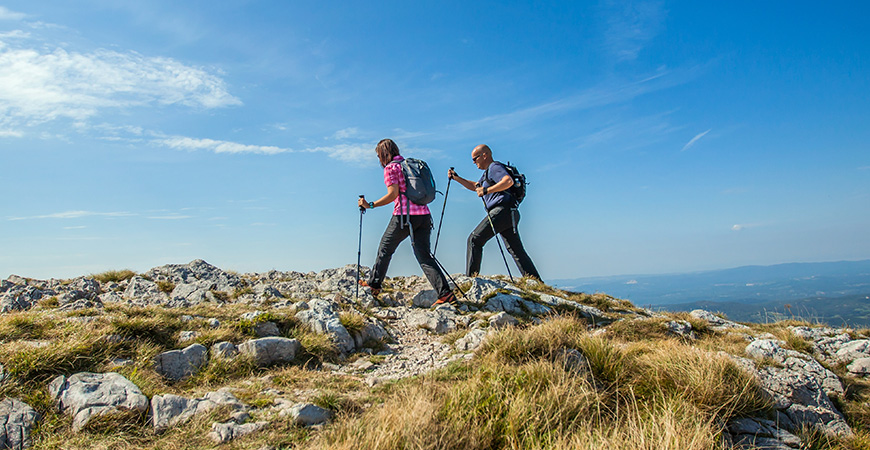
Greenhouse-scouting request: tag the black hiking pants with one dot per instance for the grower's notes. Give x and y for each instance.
(393, 236)
(505, 221)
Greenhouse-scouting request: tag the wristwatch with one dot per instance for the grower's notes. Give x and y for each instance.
(372, 205)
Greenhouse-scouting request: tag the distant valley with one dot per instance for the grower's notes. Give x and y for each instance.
(831, 292)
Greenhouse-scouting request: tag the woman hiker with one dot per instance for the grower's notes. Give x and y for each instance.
(418, 225)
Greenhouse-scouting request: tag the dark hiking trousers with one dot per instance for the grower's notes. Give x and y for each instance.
(393, 236)
(505, 221)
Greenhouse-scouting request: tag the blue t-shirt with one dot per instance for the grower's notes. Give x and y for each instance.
(490, 177)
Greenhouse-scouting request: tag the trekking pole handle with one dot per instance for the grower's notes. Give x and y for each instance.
(361, 209)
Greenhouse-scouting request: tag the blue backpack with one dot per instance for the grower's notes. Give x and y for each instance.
(419, 183)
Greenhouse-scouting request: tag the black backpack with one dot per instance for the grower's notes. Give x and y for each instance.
(518, 190)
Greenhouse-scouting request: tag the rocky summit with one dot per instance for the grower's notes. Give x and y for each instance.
(233, 356)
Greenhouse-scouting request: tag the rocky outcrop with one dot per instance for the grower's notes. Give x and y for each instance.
(179, 364)
(17, 420)
(85, 395)
(270, 350)
(169, 410)
(323, 318)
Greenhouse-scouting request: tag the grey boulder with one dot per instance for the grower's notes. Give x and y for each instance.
(85, 395)
(270, 350)
(18, 419)
(170, 410)
(178, 364)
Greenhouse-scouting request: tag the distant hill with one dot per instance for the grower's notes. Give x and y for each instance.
(748, 284)
(850, 310)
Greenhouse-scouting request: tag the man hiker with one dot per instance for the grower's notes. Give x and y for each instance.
(408, 219)
(494, 187)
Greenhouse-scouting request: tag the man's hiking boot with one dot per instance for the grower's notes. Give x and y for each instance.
(445, 300)
(375, 292)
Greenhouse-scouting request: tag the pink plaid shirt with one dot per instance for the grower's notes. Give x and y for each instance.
(393, 175)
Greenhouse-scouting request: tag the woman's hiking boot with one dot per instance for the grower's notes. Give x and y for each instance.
(447, 299)
(375, 292)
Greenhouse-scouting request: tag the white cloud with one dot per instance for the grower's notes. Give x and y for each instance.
(346, 133)
(864, 168)
(39, 85)
(11, 133)
(170, 217)
(694, 140)
(353, 153)
(6, 14)
(191, 144)
(744, 226)
(75, 215)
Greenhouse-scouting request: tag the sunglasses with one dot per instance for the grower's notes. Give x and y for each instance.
(474, 159)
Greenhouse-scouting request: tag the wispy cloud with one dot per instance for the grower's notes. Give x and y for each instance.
(170, 217)
(75, 215)
(598, 96)
(11, 133)
(631, 25)
(216, 146)
(352, 153)
(346, 133)
(864, 168)
(695, 140)
(744, 226)
(39, 85)
(6, 14)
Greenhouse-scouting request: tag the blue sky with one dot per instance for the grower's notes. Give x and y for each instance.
(657, 136)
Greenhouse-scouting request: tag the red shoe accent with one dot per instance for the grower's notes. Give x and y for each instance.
(447, 299)
(375, 292)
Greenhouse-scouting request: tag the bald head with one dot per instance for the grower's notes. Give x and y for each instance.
(482, 156)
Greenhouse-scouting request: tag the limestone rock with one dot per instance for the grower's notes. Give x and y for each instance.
(439, 321)
(860, 367)
(224, 350)
(85, 395)
(482, 287)
(854, 350)
(170, 410)
(716, 322)
(19, 298)
(681, 328)
(18, 419)
(307, 414)
(198, 272)
(323, 318)
(471, 341)
(425, 298)
(761, 434)
(796, 361)
(144, 292)
(593, 315)
(225, 432)
(178, 364)
(516, 305)
(502, 320)
(270, 350)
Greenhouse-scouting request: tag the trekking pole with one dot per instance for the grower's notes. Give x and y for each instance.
(437, 235)
(359, 250)
(495, 235)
